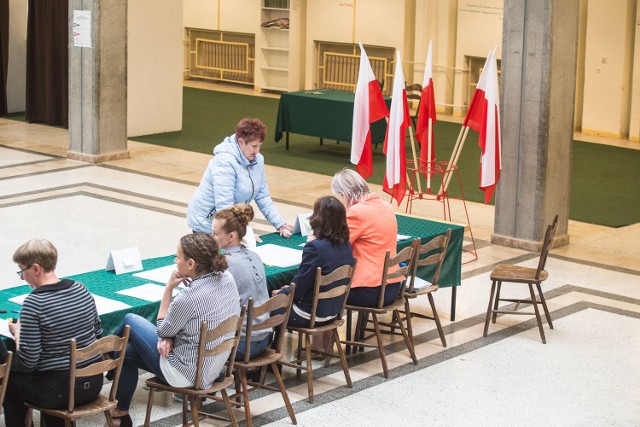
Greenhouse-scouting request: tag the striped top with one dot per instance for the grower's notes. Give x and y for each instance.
(212, 297)
(51, 315)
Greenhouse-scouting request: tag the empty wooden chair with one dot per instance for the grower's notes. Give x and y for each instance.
(518, 274)
(403, 260)
(111, 344)
(323, 289)
(270, 357)
(231, 329)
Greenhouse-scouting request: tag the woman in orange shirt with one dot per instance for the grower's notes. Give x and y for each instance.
(373, 230)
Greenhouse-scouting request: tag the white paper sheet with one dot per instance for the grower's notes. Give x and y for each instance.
(18, 299)
(4, 328)
(148, 292)
(107, 305)
(402, 237)
(278, 256)
(160, 275)
(419, 283)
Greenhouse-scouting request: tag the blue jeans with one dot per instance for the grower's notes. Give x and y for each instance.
(257, 347)
(141, 353)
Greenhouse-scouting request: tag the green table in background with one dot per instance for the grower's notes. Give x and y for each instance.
(107, 283)
(323, 113)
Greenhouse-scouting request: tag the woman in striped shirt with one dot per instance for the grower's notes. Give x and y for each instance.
(170, 349)
(53, 313)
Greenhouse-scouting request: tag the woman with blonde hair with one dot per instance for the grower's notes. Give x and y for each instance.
(229, 228)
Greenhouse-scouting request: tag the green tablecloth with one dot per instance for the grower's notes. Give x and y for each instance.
(106, 283)
(323, 113)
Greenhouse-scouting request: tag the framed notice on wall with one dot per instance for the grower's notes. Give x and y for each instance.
(82, 28)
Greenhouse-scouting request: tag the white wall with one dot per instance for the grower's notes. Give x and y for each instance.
(201, 14)
(154, 69)
(17, 72)
(634, 127)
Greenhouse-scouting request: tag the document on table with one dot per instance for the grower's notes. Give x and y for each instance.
(107, 305)
(278, 256)
(4, 328)
(402, 237)
(18, 299)
(160, 275)
(148, 292)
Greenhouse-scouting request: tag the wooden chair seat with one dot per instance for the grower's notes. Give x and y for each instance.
(159, 384)
(268, 357)
(101, 404)
(518, 274)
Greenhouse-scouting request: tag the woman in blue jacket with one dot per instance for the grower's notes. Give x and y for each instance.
(235, 174)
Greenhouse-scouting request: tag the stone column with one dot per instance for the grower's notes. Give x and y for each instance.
(98, 84)
(539, 54)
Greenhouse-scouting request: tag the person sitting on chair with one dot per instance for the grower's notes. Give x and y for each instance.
(373, 230)
(170, 349)
(52, 314)
(329, 248)
(229, 228)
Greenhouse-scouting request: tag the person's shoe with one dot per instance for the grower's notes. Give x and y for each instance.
(122, 421)
(177, 397)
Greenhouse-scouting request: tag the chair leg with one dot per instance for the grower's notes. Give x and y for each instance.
(437, 319)
(383, 358)
(408, 341)
(538, 318)
(307, 352)
(194, 410)
(497, 301)
(107, 415)
(407, 312)
(298, 370)
(185, 421)
(486, 320)
(283, 392)
(147, 418)
(28, 421)
(227, 403)
(544, 306)
(343, 359)
(245, 393)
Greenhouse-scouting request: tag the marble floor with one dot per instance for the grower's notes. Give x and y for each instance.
(588, 373)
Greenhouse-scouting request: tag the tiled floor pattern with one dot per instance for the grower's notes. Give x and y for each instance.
(587, 373)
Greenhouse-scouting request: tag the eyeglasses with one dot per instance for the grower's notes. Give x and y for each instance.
(21, 272)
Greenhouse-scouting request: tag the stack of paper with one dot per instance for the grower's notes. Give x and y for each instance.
(278, 256)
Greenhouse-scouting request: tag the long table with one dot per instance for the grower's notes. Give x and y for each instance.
(107, 283)
(323, 113)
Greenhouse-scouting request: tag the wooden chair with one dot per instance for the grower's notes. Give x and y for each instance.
(431, 253)
(414, 93)
(323, 289)
(106, 345)
(405, 257)
(530, 276)
(232, 326)
(5, 370)
(269, 357)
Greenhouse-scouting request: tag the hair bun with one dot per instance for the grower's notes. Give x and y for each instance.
(243, 212)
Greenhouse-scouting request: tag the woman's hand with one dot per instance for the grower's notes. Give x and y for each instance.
(165, 345)
(285, 231)
(176, 279)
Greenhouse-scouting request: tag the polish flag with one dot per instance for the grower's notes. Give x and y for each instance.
(395, 182)
(368, 107)
(427, 111)
(483, 116)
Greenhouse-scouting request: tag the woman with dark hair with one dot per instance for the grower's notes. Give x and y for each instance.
(229, 227)
(328, 249)
(170, 349)
(235, 174)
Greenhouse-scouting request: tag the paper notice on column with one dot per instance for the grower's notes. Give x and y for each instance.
(278, 256)
(82, 28)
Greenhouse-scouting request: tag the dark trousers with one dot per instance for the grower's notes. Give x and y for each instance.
(369, 296)
(48, 390)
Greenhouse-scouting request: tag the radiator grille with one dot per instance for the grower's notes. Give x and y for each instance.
(222, 56)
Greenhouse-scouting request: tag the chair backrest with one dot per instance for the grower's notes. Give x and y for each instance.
(547, 244)
(278, 302)
(435, 251)
(110, 344)
(414, 91)
(322, 288)
(229, 330)
(405, 257)
(5, 370)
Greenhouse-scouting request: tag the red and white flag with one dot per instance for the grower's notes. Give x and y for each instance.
(483, 116)
(368, 107)
(395, 182)
(427, 111)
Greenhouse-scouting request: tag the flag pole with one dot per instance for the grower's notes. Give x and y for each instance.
(453, 155)
(457, 155)
(415, 161)
(429, 154)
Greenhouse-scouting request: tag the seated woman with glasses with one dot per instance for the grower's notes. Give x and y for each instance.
(229, 228)
(53, 313)
(169, 350)
(329, 248)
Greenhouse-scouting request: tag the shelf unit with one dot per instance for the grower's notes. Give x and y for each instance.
(274, 56)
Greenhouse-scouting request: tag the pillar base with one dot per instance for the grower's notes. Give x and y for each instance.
(527, 245)
(100, 158)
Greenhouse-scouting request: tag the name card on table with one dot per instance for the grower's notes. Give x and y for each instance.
(124, 261)
(302, 225)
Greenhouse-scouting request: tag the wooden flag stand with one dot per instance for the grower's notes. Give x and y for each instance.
(443, 170)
